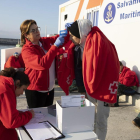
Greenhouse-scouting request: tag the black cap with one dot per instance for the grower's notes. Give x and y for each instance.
(74, 29)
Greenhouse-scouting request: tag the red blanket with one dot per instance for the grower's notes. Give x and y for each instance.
(100, 67)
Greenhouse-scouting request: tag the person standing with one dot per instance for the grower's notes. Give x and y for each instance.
(96, 69)
(12, 85)
(38, 54)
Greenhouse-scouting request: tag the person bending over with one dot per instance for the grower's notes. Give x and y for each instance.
(96, 69)
(12, 85)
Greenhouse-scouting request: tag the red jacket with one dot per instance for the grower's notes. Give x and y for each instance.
(65, 67)
(100, 67)
(37, 63)
(128, 77)
(10, 117)
(21, 61)
(14, 62)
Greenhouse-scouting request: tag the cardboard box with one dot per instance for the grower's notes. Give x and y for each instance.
(75, 119)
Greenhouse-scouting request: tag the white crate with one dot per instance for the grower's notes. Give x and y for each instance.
(75, 119)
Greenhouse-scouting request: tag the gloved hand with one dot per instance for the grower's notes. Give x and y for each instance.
(68, 25)
(59, 41)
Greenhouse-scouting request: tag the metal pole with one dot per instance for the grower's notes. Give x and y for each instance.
(46, 31)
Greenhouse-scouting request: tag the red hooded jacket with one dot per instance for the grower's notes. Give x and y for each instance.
(65, 67)
(100, 67)
(37, 63)
(10, 117)
(128, 77)
(14, 62)
(21, 61)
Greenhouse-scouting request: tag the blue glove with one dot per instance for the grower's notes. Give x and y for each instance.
(59, 41)
(68, 25)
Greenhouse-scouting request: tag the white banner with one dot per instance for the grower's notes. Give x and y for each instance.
(118, 12)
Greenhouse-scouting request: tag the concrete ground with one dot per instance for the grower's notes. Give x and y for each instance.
(120, 125)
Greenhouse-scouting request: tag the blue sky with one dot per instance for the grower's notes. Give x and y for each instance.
(14, 12)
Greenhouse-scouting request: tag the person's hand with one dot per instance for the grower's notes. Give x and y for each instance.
(16, 69)
(21, 69)
(33, 113)
(68, 25)
(59, 41)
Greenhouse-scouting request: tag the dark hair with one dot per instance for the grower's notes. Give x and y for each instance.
(121, 63)
(16, 75)
(24, 28)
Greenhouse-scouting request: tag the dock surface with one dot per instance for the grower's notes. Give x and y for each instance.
(120, 125)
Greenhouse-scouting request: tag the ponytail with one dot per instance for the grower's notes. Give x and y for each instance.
(8, 72)
(16, 75)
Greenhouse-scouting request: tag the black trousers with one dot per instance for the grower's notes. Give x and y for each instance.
(124, 90)
(37, 99)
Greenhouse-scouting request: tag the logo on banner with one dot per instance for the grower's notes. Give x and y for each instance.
(109, 13)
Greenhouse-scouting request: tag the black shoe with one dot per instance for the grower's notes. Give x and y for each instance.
(73, 86)
(136, 122)
(116, 105)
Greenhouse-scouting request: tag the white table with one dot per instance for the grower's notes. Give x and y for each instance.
(88, 135)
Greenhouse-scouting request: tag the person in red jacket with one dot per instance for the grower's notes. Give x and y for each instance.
(38, 54)
(128, 82)
(96, 69)
(64, 69)
(12, 84)
(15, 61)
